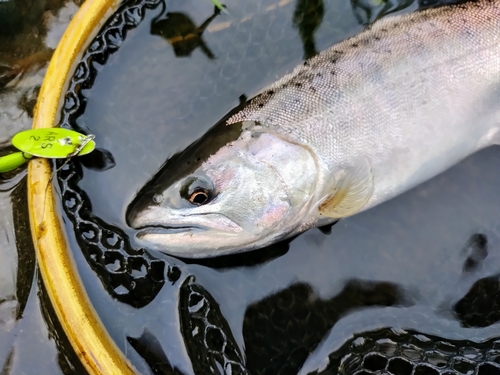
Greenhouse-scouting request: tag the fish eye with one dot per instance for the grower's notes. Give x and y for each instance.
(199, 197)
(197, 191)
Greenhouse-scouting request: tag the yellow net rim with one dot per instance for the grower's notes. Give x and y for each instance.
(89, 338)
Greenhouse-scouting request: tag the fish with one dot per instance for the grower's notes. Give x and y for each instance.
(358, 124)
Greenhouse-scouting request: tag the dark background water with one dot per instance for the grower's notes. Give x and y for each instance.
(403, 264)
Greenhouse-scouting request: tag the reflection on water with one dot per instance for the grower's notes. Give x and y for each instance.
(181, 32)
(480, 307)
(282, 329)
(368, 11)
(148, 346)
(477, 251)
(307, 18)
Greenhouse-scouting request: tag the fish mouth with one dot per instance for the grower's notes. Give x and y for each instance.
(204, 235)
(168, 229)
(161, 221)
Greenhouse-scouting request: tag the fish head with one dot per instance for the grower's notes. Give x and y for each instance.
(251, 192)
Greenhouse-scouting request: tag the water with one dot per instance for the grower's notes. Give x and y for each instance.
(403, 264)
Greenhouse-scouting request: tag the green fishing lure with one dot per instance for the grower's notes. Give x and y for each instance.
(49, 143)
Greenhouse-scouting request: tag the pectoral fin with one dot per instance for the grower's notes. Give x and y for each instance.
(351, 193)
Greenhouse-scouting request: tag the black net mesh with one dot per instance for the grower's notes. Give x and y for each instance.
(402, 352)
(209, 340)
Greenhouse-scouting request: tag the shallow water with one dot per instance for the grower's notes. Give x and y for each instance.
(28, 33)
(403, 264)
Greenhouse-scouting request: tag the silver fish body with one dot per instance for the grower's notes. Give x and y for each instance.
(360, 123)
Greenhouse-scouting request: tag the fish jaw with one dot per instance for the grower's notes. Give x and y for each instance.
(151, 218)
(192, 236)
(205, 243)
